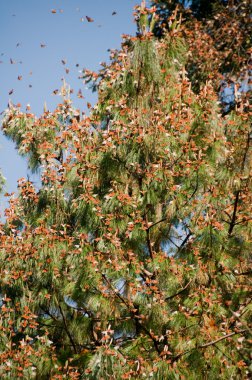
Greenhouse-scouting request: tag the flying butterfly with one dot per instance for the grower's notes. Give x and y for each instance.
(89, 19)
(79, 94)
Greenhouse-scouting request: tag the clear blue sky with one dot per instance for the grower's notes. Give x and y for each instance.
(24, 26)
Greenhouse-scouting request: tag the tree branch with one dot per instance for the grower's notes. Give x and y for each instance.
(134, 316)
(66, 329)
(184, 241)
(148, 238)
(212, 343)
(154, 224)
(179, 292)
(232, 223)
(222, 338)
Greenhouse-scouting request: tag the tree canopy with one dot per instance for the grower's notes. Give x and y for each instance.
(133, 259)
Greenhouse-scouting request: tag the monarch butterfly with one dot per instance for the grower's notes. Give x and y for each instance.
(79, 94)
(89, 19)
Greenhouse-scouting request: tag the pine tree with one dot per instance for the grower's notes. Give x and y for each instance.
(219, 34)
(132, 260)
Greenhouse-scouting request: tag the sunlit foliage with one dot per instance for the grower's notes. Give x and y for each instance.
(132, 260)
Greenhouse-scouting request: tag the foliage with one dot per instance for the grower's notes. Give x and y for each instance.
(219, 34)
(132, 260)
(2, 182)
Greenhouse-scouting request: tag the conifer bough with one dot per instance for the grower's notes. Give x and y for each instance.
(132, 260)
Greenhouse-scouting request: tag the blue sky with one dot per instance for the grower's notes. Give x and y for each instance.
(25, 25)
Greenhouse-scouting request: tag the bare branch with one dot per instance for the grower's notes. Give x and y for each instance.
(222, 338)
(212, 343)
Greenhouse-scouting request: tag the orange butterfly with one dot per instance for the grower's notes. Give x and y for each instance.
(79, 94)
(89, 19)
